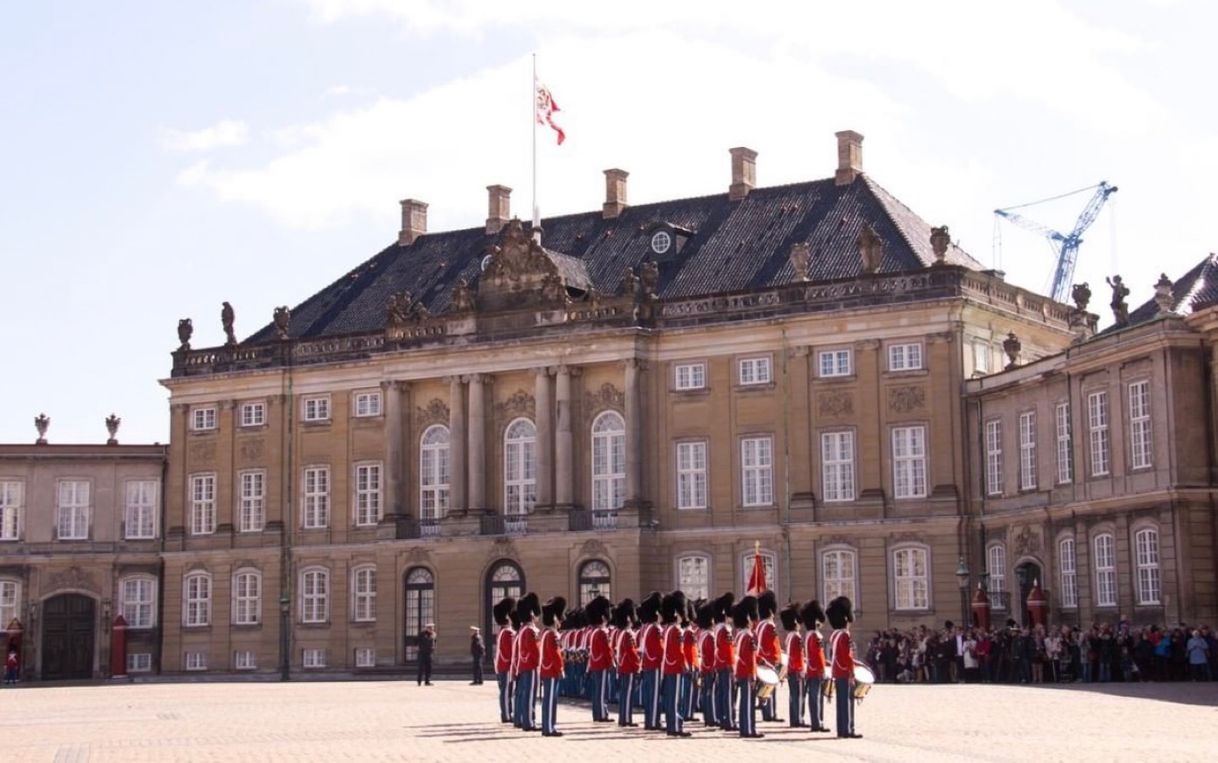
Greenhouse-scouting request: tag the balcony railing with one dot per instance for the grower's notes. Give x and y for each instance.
(497, 524)
(583, 519)
(429, 528)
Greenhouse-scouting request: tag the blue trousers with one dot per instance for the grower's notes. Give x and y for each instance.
(600, 694)
(549, 705)
(815, 702)
(651, 699)
(769, 708)
(689, 694)
(795, 684)
(625, 705)
(526, 700)
(505, 696)
(726, 698)
(845, 707)
(746, 698)
(710, 708)
(675, 721)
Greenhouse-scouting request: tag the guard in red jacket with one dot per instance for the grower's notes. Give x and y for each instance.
(744, 617)
(600, 657)
(814, 664)
(504, 641)
(769, 652)
(527, 656)
(626, 659)
(704, 615)
(840, 616)
(794, 649)
(689, 681)
(672, 612)
(652, 648)
(551, 665)
(725, 662)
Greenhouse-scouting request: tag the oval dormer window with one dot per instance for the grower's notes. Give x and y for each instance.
(661, 242)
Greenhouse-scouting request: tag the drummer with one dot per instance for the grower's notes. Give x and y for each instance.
(744, 617)
(840, 616)
(769, 652)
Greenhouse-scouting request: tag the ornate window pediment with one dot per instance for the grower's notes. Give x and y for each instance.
(521, 273)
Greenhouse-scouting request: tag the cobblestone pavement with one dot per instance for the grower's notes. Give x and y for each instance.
(452, 721)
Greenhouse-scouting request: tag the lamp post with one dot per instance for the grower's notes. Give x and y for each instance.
(285, 641)
(962, 579)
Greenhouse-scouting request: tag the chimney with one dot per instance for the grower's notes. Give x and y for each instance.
(615, 192)
(849, 156)
(744, 172)
(414, 221)
(499, 208)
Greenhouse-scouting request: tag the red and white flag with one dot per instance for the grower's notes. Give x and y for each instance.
(545, 109)
(757, 582)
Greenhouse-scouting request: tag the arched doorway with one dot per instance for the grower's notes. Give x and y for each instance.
(68, 628)
(504, 578)
(420, 607)
(1027, 574)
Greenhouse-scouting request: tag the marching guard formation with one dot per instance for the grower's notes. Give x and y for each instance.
(673, 659)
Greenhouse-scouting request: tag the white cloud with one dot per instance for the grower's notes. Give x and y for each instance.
(223, 134)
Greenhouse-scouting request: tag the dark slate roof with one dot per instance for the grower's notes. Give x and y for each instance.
(732, 246)
(1196, 289)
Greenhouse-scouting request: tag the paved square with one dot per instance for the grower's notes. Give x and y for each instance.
(452, 721)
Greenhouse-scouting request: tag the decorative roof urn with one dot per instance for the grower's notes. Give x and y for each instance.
(1012, 347)
(112, 424)
(41, 424)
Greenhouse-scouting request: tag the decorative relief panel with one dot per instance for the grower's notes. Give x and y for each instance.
(72, 578)
(608, 396)
(1027, 541)
(906, 398)
(593, 548)
(839, 403)
(520, 403)
(435, 412)
(202, 452)
(250, 450)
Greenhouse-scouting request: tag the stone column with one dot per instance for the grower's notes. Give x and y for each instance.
(545, 437)
(477, 441)
(564, 483)
(456, 444)
(633, 413)
(391, 393)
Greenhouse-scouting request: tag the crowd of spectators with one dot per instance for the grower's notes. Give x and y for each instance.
(1054, 654)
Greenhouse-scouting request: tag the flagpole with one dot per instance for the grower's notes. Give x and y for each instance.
(536, 213)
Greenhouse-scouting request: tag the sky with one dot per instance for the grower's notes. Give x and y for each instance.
(157, 159)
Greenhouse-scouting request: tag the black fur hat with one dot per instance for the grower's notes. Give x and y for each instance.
(691, 609)
(672, 607)
(649, 608)
(623, 613)
(812, 614)
(553, 610)
(704, 613)
(744, 612)
(767, 604)
(574, 620)
(502, 610)
(597, 611)
(840, 612)
(790, 616)
(528, 607)
(722, 606)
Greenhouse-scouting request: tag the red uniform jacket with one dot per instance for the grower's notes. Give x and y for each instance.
(768, 650)
(528, 655)
(689, 643)
(843, 660)
(707, 647)
(815, 649)
(653, 647)
(627, 653)
(599, 655)
(674, 655)
(551, 655)
(795, 654)
(503, 649)
(725, 649)
(746, 655)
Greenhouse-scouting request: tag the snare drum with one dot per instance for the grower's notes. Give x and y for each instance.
(768, 678)
(863, 679)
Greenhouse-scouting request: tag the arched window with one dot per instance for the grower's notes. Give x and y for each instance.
(196, 594)
(363, 594)
(996, 565)
(911, 577)
(1067, 565)
(839, 574)
(1146, 547)
(608, 461)
(433, 473)
(519, 468)
(315, 595)
(137, 601)
(10, 601)
(693, 575)
(594, 581)
(1105, 571)
(420, 606)
(247, 597)
(769, 561)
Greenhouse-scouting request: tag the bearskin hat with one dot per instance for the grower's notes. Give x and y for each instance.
(502, 609)
(722, 606)
(767, 604)
(649, 608)
(840, 612)
(704, 613)
(597, 611)
(623, 614)
(553, 610)
(744, 612)
(790, 616)
(574, 620)
(528, 607)
(672, 607)
(812, 614)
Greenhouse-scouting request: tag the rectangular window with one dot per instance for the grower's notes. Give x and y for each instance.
(755, 371)
(197, 597)
(1146, 554)
(981, 357)
(314, 596)
(837, 465)
(365, 657)
(693, 576)
(245, 660)
(909, 462)
(202, 504)
(10, 600)
(314, 658)
(367, 404)
(1027, 450)
(691, 475)
(911, 578)
(1140, 444)
(139, 514)
(316, 494)
(757, 470)
(12, 493)
(138, 603)
(251, 508)
(1097, 422)
(692, 376)
(196, 661)
(905, 357)
(317, 408)
(993, 457)
(203, 419)
(1105, 571)
(834, 363)
(247, 598)
(1069, 569)
(1065, 466)
(73, 516)
(838, 569)
(140, 662)
(996, 565)
(253, 414)
(363, 595)
(367, 494)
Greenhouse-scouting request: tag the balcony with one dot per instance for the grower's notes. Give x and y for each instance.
(429, 528)
(580, 520)
(497, 524)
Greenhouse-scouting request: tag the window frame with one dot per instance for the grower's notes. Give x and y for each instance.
(1027, 451)
(150, 505)
(321, 410)
(520, 484)
(838, 467)
(251, 506)
(1067, 565)
(435, 495)
(700, 476)
(363, 600)
(9, 611)
(835, 367)
(897, 578)
(1065, 443)
(918, 463)
(12, 505)
(994, 477)
(246, 417)
(373, 401)
(134, 612)
(905, 353)
(1105, 571)
(313, 658)
(758, 364)
(245, 659)
(1148, 570)
(693, 591)
(204, 418)
(982, 351)
(196, 605)
(1141, 430)
(1099, 422)
(839, 553)
(586, 579)
(202, 509)
(195, 661)
(365, 662)
(691, 385)
(996, 566)
(608, 486)
(139, 662)
(314, 503)
(246, 607)
(368, 500)
(315, 604)
(81, 512)
(759, 475)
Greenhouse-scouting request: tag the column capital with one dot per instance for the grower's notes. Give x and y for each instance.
(227, 405)
(395, 385)
(454, 379)
(802, 351)
(179, 407)
(867, 344)
(636, 363)
(475, 378)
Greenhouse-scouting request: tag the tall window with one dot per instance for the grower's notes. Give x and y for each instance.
(1066, 562)
(519, 467)
(73, 516)
(757, 470)
(10, 601)
(691, 475)
(837, 465)
(608, 461)
(202, 504)
(996, 563)
(367, 494)
(1097, 422)
(314, 596)
(993, 457)
(594, 576)
(769, 562)
(1146, 548)
(433, 473)
(1065, 466)
(909, 462)
(251, 511)
(981, 357)
(247, 597)
(197, 600)
(316, 495)
(504, 579)
(1105, 571)
(139, 513)
(363, 594)
(420, 606)
(1027, 450)
(138, 601)
(910, 578)
(693, 576)
(1140, 445)
(839, 574)
(11, 495)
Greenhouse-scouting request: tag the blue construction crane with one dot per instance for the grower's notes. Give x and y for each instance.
(1064, 245)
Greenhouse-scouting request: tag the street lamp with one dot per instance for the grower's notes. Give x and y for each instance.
(285, 641)
(962, 579)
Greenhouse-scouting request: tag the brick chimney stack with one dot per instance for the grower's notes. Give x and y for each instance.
(615, 192)
(499, 208)
(849, 156)
(414, 221)
(744, 172)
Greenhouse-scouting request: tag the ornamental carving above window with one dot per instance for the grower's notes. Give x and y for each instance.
(435, 412)
(835, 404)
(608, 396)
(906, 398)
